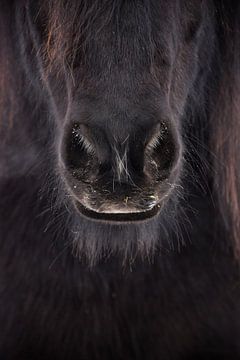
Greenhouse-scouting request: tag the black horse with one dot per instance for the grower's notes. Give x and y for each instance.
(119, 183)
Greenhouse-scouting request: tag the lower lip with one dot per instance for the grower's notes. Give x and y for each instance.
(118, 218)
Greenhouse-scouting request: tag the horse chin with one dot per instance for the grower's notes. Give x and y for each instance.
(118, 217)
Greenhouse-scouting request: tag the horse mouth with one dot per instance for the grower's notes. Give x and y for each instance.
(119, 217)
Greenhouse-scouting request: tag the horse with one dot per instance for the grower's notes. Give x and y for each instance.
(119, 182)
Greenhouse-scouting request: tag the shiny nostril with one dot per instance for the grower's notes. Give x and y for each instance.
(79, 149)
(160, 152)
(85, 152)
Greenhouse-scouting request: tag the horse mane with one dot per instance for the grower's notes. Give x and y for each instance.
(225, 121)
(224, 91)
(7, 91)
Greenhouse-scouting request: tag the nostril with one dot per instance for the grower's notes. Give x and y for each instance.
(78, 148)
(85, 153)
(160, 152)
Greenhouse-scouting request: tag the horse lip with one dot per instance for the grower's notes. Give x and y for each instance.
(118, 218)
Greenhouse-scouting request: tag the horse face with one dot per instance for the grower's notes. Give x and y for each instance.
(129, 72)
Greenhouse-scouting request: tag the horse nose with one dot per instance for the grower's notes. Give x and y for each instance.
(113, 173)
(90, 149)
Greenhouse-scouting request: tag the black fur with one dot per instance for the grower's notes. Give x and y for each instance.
(75, 288)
